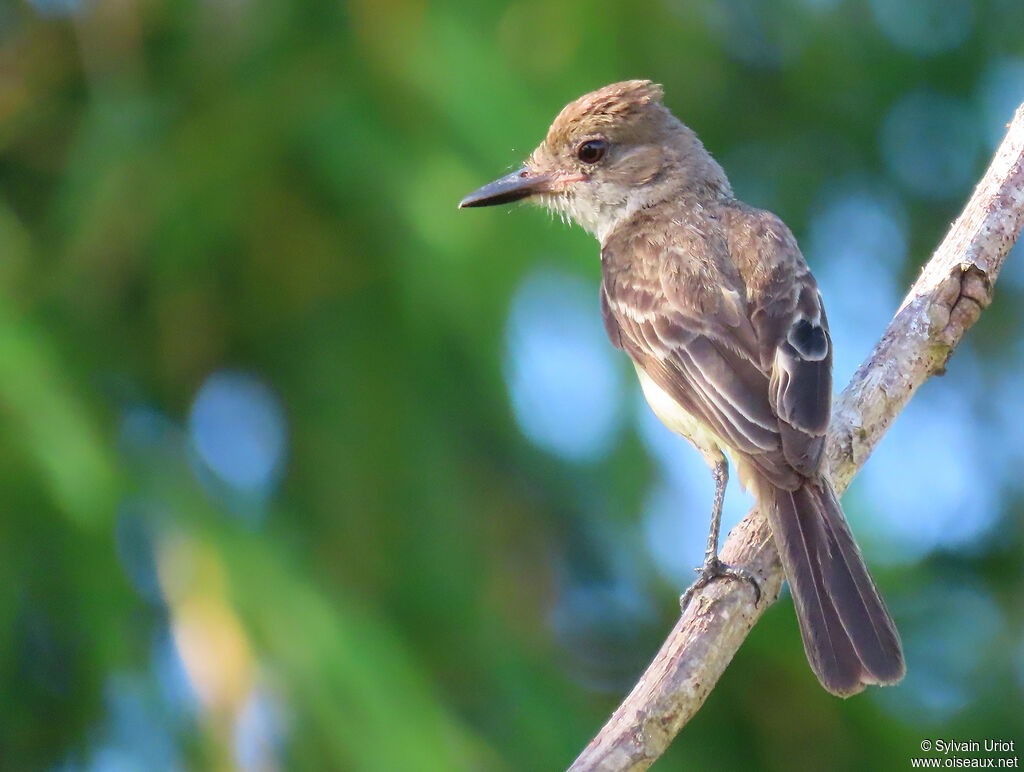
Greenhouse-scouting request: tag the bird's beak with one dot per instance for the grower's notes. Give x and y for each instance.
(512, 187)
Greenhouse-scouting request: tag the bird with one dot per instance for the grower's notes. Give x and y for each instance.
(716, 307)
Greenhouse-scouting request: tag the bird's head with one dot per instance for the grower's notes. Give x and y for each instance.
(608, 154)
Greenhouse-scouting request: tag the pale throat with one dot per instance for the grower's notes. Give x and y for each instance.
(600, 207)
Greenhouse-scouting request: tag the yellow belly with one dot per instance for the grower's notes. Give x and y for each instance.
(679, 421)
(701, 437)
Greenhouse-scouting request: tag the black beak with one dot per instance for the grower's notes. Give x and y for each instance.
(511, 187)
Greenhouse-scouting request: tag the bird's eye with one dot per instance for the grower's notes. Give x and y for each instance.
(591, 151)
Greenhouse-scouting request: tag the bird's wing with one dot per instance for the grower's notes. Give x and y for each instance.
(788, 317)
(691, 325)
(690, 333)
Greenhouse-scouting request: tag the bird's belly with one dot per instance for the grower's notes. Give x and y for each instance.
(679, 420)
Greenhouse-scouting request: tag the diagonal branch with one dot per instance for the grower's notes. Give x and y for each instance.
(948, 297)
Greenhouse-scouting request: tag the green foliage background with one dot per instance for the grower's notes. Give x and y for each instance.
(270, 187)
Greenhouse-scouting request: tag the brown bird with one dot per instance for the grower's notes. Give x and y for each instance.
(714, 304)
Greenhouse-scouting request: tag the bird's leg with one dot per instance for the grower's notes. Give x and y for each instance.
(713, 567)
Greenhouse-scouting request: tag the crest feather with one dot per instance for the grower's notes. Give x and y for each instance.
(613, 105)
(612, 102)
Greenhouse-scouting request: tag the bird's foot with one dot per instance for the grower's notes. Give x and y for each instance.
(714, 568)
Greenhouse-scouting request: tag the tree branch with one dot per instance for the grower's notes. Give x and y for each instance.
(948, 297)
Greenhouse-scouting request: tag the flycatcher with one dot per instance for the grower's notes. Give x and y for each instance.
(714, 304)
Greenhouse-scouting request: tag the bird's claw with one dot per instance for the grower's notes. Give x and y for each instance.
(714, 568)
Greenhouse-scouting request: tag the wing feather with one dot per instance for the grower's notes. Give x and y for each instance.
(750, 359)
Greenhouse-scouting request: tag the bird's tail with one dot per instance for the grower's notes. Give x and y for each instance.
(850, 639)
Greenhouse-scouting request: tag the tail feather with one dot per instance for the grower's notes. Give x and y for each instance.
(848, 634)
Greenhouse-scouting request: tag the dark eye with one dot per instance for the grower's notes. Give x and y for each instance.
(592, 151)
